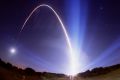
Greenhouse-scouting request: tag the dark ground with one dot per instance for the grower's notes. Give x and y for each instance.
(9, 72)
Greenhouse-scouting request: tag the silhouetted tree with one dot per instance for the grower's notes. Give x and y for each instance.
(29, 71)
(9, 66)
(99, 71)
(2, 64)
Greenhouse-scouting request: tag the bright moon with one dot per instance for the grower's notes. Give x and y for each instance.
(12, 50)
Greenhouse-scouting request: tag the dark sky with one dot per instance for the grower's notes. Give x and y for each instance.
(42, 46)
(103, 32)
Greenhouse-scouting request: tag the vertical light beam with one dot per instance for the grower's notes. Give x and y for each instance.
(76, 12)
(73, 66)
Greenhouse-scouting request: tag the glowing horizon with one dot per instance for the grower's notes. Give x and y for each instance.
(73, 69)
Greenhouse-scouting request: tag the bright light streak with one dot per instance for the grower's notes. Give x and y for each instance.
(76, 11)
(73, 66)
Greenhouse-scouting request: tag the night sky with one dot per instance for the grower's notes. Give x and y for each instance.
(93, 27)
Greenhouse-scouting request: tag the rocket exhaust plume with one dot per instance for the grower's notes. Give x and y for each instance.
(73, 66)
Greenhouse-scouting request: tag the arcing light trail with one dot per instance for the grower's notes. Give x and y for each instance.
(73, 60)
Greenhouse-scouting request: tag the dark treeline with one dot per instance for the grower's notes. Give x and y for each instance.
(99, 71)
(27, 71)
(30, 72)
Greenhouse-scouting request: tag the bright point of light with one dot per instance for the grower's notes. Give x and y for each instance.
(12, 50)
